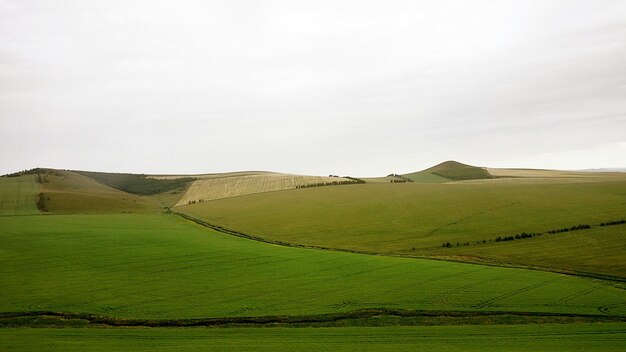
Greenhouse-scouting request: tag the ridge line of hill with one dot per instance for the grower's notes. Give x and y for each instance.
(615, 280)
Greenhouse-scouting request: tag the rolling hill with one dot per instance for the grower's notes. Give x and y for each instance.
(415, 219)
(101, 254)
(449, 171)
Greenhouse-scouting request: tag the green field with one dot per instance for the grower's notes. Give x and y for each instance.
(99, 258)
(577, 337)
(18, 195)
(596, 251)
(415, 219)
(161, 266)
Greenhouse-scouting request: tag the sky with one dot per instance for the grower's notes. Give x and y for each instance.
(360, 88)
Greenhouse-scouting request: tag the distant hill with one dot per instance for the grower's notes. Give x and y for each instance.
(607, 169)
(138, 184)
(450, 171)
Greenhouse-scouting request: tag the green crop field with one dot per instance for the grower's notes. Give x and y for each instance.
(415, 219)
(18, 195)
(99, 261)
(577, 337)
(596, 251)
(164, 267)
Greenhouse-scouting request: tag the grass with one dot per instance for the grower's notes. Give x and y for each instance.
(577, 337)
(19, 195)
(415, 219)
(449, 171)
(456, 171)
(163, 267)
(598, 250)
(426, 177)
(152, 269)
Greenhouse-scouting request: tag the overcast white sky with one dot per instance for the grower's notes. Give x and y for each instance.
(356, 88)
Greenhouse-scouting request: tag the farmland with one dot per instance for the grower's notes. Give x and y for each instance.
(147, 264)
(577, 337)
(415, 219)
(218, 186)
(108, 261)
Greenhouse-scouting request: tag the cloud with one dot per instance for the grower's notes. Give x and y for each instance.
(320, 87)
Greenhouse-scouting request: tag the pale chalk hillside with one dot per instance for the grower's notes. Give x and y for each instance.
(218, 186)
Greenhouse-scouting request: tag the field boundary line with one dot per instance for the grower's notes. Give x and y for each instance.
(426, 317)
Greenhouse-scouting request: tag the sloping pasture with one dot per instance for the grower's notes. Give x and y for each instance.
(416, 219)
(164, 267)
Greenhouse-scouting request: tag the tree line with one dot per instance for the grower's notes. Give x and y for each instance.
(399, 178)
(525, 235)
(619, 222)
(138, 183)
(349, 181)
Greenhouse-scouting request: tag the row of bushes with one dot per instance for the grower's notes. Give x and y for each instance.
(518, 236)
(573, 228)
(350, 181)
(619, 222)
(399, 178)
(524, 235)
(34, 171)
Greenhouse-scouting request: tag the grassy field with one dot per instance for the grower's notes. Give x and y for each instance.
(578, 337)
(218, 186)
(415, 219)
(598, 250)
(161, 266)
(18, 195)
(98, 261)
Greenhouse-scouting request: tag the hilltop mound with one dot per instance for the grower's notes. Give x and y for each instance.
(456, 171)
(449, 171)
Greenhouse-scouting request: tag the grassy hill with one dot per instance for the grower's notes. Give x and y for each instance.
(70, 192)
(72, 259)
(449, 171)
(415, 219)
(66, 192)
